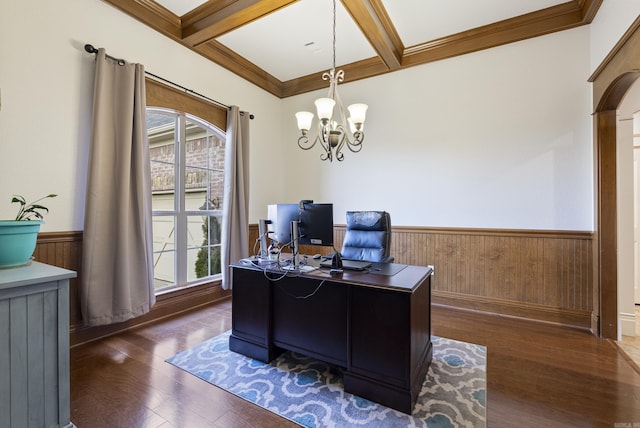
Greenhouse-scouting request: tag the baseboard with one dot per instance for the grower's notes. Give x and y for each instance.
(627, 324)
(568, 317)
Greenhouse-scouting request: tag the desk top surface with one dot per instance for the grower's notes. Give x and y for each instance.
(406, 279)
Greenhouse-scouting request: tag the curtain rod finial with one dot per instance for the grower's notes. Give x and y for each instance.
(89, 48)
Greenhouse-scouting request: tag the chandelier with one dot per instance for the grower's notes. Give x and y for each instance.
(333, 132)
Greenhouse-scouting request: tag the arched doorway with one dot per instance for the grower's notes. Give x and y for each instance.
(611, 81)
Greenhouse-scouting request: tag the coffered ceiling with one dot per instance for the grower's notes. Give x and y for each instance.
(284, 46)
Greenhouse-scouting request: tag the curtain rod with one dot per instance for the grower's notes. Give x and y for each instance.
(90, 49)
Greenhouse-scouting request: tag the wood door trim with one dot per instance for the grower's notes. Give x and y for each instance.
(611, 81)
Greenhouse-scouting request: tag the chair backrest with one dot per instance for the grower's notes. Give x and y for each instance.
(368, 236)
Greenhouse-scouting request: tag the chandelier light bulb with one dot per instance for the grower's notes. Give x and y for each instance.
(358, 112)
(325, 108)
(304, 120)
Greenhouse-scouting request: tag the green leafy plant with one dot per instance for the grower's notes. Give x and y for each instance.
(32, 210)
(209, 255)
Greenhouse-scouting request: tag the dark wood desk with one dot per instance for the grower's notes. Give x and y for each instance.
(377, 327)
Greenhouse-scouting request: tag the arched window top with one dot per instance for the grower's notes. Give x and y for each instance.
(167, 97)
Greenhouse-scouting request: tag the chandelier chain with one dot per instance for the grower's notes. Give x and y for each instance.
(334, 34)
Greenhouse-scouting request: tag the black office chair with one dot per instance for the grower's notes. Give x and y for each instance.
(368, 236)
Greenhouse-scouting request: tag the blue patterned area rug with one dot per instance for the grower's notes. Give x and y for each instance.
(310, 392)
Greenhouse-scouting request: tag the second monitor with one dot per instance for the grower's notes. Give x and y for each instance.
(315, 224)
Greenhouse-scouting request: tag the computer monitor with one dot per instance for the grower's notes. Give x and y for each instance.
(281, 216)
(304, 223)
(315, 224)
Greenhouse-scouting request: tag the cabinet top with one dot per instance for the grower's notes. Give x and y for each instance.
(33, 273)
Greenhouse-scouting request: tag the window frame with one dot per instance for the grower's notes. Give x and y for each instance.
(195, 109)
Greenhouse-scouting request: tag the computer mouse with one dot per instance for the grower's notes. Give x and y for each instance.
(317, 256)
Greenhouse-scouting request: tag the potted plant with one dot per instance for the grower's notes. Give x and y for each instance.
(18, 237)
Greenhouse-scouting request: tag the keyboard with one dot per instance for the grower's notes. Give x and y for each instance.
(349, 264)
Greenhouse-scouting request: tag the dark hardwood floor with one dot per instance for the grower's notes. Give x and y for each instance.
(538, 375)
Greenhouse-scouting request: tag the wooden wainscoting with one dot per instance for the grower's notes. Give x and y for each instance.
(64, 249)
(540, 275)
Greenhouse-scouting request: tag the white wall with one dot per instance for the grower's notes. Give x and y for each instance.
(611, 22)
(636, 210)
(625, 238)
(500, 138)
(46, 84)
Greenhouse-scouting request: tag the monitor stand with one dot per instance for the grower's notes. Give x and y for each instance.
(262, 230)
(295, 246)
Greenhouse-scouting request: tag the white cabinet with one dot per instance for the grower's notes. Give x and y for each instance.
(34, 346)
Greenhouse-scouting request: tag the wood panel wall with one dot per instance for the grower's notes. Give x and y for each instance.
(541, 275)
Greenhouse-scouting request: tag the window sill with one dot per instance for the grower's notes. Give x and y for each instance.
(177, 291)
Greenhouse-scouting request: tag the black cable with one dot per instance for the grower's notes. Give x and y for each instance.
(302, 297)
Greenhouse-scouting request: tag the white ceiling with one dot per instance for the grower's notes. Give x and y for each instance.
(180, 7)
(417, 21)
(303, 29)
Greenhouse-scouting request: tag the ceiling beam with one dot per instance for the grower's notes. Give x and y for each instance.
(152, 14)
(219, 16)
(352, 72)
(215, 18)
(375, 24)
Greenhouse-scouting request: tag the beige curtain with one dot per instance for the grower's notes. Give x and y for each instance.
(117, 261)
(235, 222)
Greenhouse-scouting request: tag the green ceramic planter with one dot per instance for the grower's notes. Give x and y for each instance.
(17, 241)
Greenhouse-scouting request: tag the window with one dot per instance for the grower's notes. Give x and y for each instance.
(187, 176)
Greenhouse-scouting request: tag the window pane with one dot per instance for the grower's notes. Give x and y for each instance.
(195, 198)
(162, 201)
(216, 188)
(197, 227)
(164, 254)
(203, 246)
(161, 131)
(198, 262)
(204, 168)
(203, 262)
(215, 226)
(203, 230)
